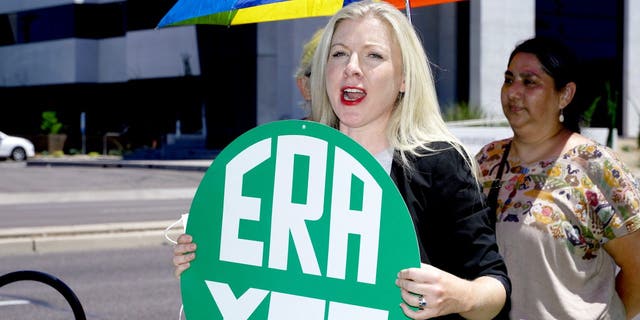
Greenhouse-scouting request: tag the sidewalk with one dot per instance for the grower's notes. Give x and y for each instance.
(627, 149)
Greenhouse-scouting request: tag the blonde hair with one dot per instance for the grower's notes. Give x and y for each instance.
(416, 119)
(309, 48)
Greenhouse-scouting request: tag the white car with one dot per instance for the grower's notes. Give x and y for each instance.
(16, 148)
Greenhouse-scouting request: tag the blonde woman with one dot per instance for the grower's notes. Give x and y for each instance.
(371, 80)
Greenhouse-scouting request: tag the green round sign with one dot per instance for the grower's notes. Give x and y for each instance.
(295, 219)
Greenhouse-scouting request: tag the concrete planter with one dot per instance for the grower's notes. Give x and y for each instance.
(600, 135)
(474, 138)
(55, 142)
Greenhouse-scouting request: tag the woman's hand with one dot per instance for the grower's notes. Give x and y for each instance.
(445, 294)
(183, 254)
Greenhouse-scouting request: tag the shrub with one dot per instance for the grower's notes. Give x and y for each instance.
(462, 111)
(50, 123)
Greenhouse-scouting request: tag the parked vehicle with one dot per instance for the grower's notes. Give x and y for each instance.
(16, 148)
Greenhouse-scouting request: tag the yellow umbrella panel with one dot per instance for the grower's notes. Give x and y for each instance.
(190, 12)
(234, 12)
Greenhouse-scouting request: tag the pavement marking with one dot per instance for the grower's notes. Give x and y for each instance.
(13, 302)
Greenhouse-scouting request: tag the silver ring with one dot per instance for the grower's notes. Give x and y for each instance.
(421, 301)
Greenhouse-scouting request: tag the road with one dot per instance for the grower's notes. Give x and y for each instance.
(57, 196)
(17, 178)
(90, 212)
(117, 284)
(124, 283)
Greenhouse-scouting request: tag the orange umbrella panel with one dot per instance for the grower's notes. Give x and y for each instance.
(402, 4)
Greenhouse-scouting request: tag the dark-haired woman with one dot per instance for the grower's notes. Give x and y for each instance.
(568, 210)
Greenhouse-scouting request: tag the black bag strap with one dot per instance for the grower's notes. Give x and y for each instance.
(492, 198)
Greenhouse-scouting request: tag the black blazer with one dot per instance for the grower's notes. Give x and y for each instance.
(450, 215)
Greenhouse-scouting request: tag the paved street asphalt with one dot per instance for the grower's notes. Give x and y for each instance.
(25, 240)
(84, 237)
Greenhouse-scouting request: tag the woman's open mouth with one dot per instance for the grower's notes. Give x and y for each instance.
(352, 96)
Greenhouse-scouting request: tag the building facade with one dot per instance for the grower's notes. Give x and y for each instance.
(107, 60)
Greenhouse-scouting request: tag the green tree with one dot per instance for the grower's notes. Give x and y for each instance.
(50, 122)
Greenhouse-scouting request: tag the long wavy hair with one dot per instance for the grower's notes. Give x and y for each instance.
(416, 120)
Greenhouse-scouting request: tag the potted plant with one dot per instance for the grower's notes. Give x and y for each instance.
(52, 126)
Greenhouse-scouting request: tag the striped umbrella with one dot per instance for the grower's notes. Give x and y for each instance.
(234, 12)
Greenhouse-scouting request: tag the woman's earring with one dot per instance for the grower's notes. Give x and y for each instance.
(561, 117)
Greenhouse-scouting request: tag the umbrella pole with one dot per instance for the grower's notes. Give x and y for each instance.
(407, 4)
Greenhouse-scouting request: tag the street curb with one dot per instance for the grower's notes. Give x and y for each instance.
(185, 165)
(14, 241)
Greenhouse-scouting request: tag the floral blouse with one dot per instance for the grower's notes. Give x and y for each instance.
(552, 219)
